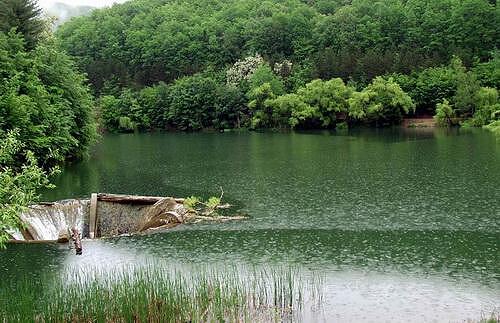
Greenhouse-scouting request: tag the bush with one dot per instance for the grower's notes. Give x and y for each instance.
(290, 110)
(231, 109)
(264, 74)
(494, 127)
(328, 98)
(259, 107)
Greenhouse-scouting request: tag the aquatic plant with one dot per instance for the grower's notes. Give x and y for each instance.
(155, 294)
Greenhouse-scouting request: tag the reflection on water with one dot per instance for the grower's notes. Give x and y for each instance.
(402, 225)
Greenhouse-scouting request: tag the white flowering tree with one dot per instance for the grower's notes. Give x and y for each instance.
(243, 69)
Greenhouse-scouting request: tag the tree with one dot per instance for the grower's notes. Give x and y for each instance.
(231, 110)
(258, 103)
(139, 43)
(382, 102)
(488, 73)
(25, 17)
(444, 114)
(467, 87)
(290, 110)
(264, 74)
(192, 103)
(43, 96)
(327, 97)
(243, 69)
(487, 106)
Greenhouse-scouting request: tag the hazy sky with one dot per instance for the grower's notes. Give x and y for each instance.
(94, 3)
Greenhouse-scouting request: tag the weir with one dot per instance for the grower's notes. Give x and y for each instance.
(103, 215)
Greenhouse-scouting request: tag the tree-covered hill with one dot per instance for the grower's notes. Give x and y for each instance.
(190, 64)
(142, 42)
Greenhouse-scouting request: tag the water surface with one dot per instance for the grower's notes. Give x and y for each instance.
(404, 225)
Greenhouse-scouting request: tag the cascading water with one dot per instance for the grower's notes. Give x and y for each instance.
(55, 220)
(105, 215)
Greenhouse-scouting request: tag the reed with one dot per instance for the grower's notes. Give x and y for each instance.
(154, 294)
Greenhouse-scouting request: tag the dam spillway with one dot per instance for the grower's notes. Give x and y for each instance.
(102, 215)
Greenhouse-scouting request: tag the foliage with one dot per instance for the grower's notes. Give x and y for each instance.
(191, 202)
(494, 127)
(205, 208)
(213, 202)
(381, 102)
(487, 106)
(327, 97)
(243, 69)
(258, 104)
(264, 74)
(488, 73)
(467, 86)
(290, 110)
(191, 64)
(109, 112)
(18, 184)
(444, 113)
(191, 103)
(25, 17)
(453, 82)
(123, 113)
(231, 109)
(142, 42)
(429, 87)
(125, 124)
(43, 96)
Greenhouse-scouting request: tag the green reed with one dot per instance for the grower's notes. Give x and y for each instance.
(155, 294)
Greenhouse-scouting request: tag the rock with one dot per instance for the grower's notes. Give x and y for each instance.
(63, 236)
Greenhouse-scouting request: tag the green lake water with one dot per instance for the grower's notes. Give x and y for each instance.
(402, 225)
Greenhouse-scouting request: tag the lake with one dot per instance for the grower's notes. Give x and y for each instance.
(400, 224)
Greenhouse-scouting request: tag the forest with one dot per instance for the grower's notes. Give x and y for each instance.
(193, 65)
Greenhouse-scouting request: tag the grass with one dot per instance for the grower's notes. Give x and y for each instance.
(152, 294)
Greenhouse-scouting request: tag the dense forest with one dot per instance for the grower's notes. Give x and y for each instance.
(224, 64)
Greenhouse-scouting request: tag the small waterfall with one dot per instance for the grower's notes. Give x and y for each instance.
(53, 221)
(16, 234)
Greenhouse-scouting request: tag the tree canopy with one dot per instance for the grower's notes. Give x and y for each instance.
(43, 96)
(25, 17)
(141, 42)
